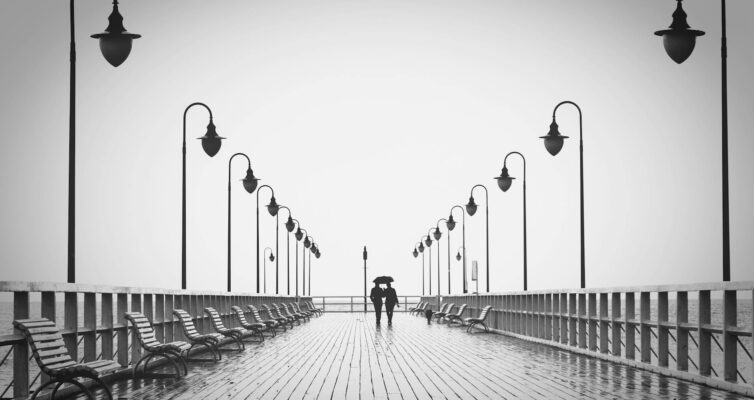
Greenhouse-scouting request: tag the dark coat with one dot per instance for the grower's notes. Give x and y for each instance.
(390, 296)
(376, 295)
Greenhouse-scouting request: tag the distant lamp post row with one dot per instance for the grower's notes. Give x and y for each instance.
(679, 42)
(249, 184)
(115, 45)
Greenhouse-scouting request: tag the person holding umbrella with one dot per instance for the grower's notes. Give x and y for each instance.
(391, 300)
(376, 296)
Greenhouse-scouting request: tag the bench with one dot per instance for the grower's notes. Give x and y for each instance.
(211, 340)
(173, 351)
(472, 322)
(52, 357)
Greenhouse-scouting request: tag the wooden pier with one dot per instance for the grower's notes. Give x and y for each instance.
(345, 356)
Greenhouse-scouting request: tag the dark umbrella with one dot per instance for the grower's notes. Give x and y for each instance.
(383, 279)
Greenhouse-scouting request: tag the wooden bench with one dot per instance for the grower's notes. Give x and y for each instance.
(275, 314)
(211, 340)
(173, 351)
(271, 323)
(457, 317)
(52, 357)
(235, 334)
(284, 313)
(256, 327)
(298, 309)
(420, 309)
(311, 307)
(472, 322)
(442, 313)
(291, 309)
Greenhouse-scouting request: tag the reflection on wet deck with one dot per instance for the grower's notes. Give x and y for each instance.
(345, 356)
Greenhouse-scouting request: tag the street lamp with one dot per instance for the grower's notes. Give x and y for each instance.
(115, 29)
(250, 184)
(211, 143)
(428, 242)
(272, 258)
(300, 233)
(471, 208)
(115, 42)
(553, 143)
(437, 236)
(679, 42)
(504, 181)
(275, 207)
(307, 245)
(421, 250)
(312, 250)
(451, 224)
(289, 227)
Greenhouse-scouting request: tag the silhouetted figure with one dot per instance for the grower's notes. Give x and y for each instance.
(376, 296)
(428, 313)
(391, 300)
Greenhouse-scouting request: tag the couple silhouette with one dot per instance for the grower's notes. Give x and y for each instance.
(391, 301)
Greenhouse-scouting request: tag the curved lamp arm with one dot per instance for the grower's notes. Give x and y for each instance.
(230, 160)
(463, 213)
(486, 194)
(272, 191)
(185, 112)
(577, 108)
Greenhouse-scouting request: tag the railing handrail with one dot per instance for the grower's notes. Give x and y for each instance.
(686, 287)
(60, 287)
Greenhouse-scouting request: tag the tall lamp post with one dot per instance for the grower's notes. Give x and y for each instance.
(307, 245)
(273, 209)
(115, 45)
(298, 235)
(420, 249)
(272, 201)
(451, 224)
(313, 250)
(272, 258)
(364, 256)
(679, 42)
(250, 184)
(289, 227)
(438, 235)
(553, 143)
(504, 181)
(211, 143)
(471, 208)
(428, 242)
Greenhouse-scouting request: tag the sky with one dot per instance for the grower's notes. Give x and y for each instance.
(371, 120)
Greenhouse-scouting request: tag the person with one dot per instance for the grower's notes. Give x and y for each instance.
(376, 296)
(391, 300)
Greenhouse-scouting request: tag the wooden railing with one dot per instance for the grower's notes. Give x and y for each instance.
(699, 332)
(103, 332)
(346, 304)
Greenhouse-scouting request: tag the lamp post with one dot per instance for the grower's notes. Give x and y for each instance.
(420, 249)
(211, 143)
(272, 258)
(437, 235)
(553, 143)
(313, 250)
(307, 245)
(298, 235)
(364, 256)
(471, 208)
(273, 209)
(679, 42)
(272, 201)
(289, 227)
(504, 181)
(250, 184)
(451, 224)
(115, 45)
(428, 242)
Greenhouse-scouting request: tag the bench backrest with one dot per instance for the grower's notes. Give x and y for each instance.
(450, 308)
(270, 312)
(143, 329)
(442, 307)
(278, 310)
(46, 342)
(295, 307)
(241, 316)
(485, 311)
(217, 321)
(461, 310)
(255, 313)
(186, 323)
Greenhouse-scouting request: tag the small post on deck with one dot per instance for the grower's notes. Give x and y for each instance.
(365, 278)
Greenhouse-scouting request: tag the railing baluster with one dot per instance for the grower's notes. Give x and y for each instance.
(106, 310)
(71, 323)
(629, 328)
(682, 342)
(662, 330)
(705, 348)
(730, 347)
(604, 339)
(591, 323)
(20, 350)
(616, 324)
(122, 308)
(645, 331)
(90, 324)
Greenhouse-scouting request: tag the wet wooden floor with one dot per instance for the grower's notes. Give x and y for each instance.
(345, 356)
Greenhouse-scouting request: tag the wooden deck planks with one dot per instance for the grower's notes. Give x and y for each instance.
(345, 356)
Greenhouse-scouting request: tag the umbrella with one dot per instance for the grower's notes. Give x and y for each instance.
(383, 279)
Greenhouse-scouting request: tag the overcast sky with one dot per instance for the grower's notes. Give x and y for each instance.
(371, 119)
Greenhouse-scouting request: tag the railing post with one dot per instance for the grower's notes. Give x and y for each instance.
(548, 316)
(592, 313)
(603, 324)
(159, 318)
(70, 324)
(122, 333)
(48, 311)
(730, 345)
(616, 324)
(564, 318)
(351, 303)
(106, 307)
(90, 323)
(556, 317)
(582, 320)
(629, 326)
(572, 320)
(20, 350)
(682, 334)
(705, 339)
(169, 325)
(662, 330)
(645, 328)
(135, 347)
